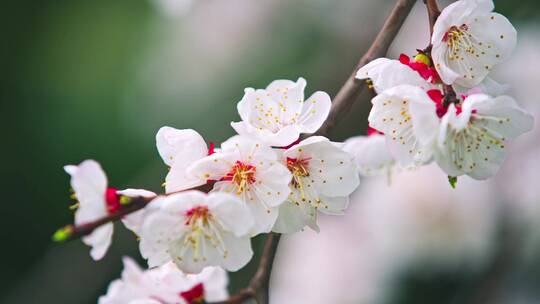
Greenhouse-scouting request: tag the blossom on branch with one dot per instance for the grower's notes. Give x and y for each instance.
(194, 230)
(370, 154)
(277, 115)
(472, 135)
(165, 284)
(97, 200)
(387, 73)
(323, 177)
(469, 40)
(250, 171)
(402, 114)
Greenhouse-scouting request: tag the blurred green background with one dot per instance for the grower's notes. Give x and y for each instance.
(96, 79)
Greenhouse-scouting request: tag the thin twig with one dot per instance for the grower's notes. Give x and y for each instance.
(433, 13)
(350, 92)
(258, 286)
(72, 232)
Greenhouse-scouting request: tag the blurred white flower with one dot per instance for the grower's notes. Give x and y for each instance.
(472, 135)
(195, 230)
(323, 177)
(173, 8)
(179, 149)
(165, 284)
(418, 221)
(278, 114)
(251, 171)
(97, 200)
(468, 40)
(370, 154)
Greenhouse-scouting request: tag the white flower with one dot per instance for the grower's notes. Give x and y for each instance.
(468, 40)
(278, 114)
(165, 285)
(472, 136)
(96, 200)
(370, 154)
(386, 73)
(195, 230)
(323, 177)
(251, 171)
(179, 149)
(405, 113)
(133, 221)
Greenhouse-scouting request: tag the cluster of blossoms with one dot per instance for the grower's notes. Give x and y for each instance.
(441, 105)
(438, 106)
(264, 179)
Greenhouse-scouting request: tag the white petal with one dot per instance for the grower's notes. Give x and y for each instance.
(99, 240)
(334, 205)
(386, 73)
(370, 154)
(215, 281)
(136, 193)
(293, 218)
(239, 252)
(232, 213)
(157, 231)
(135, 220)
(179, 149)
(246, 148)
(391, 115)
(89, 183)
(314, 112)
(289, 95)
(284, 137)
(173, 144)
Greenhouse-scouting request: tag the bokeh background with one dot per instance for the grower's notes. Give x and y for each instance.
(96, 79)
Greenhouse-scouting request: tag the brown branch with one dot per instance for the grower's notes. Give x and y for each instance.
(433, 13)
(258, 286)
(350, 92)
(72, 232)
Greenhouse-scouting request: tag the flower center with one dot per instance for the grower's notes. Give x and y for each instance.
(198, 213)
(298, 168)
(455, 33)
(203, 233)
(241, 175)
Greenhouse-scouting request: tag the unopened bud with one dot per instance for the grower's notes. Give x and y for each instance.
(422, 58)
(62, 234)
(124, 200)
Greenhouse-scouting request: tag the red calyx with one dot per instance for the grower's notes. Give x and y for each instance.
(438, 98)
(425, 71)
(112, 199)
(290, 145)
(195, 295)
(211, 148)
(371, 131)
